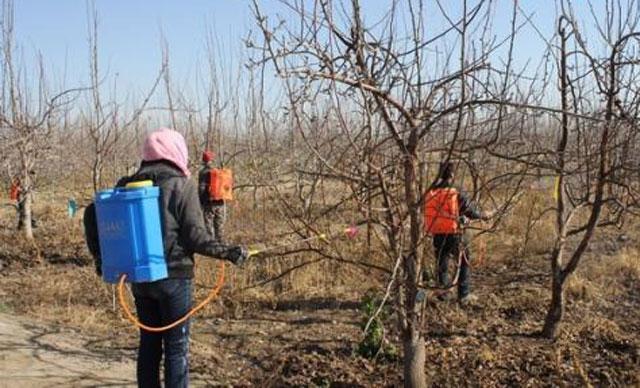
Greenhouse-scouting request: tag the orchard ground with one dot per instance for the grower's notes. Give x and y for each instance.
(60, 325)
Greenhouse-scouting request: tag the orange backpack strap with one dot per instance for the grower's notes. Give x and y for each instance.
(441, 211)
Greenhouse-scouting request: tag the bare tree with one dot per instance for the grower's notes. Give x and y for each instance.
(102, 121)
(105, 122)
(375, 107)
(596, 174)
(27, 119)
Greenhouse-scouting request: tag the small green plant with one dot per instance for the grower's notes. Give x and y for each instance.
(4, 308)
(374, 345)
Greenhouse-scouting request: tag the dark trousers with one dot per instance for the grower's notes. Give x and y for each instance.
(215, 214)
(161, 303)
(447, 247)
(19, 212)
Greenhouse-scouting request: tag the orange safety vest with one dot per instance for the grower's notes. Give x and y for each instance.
(221, 184)
(441, 211)
(14, 191)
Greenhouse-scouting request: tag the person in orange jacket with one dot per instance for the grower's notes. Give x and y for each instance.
(214, 210)
(17, 195)
(446, 211)
(15, 189)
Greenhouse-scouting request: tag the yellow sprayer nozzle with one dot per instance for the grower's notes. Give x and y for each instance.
(253, 252)
(323, 237)
(139, 184)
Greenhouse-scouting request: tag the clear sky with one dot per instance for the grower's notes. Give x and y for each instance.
(129, 34)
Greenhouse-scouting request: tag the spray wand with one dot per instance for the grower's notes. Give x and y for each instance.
(351, 232)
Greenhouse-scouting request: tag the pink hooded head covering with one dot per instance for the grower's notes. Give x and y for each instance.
(167, 144)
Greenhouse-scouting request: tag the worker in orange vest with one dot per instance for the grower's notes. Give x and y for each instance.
(15, 189)
(213, 208)
(446, 210)
(17, 195)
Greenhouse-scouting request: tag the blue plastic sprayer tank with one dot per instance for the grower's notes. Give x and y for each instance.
(130, 234)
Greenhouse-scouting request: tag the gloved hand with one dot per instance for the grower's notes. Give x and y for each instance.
(238, 255)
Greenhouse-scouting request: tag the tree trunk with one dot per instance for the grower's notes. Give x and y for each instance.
(414, 359)
(97, 172)
(20, 212)
(26, 217)
(556, 308)
(413, 341)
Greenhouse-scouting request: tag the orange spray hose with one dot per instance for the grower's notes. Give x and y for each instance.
(350, 231)
(214, 292)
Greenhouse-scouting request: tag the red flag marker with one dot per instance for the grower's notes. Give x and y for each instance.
(351, 231)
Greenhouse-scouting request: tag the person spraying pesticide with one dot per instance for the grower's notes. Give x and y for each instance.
(146, 231)
(446, 210)
(215, 187)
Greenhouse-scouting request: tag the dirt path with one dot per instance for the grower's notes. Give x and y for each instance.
(34, 355)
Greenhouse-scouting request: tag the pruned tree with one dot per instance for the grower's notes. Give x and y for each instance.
(595, 167)
(102, 120)
(29, 112)
(106, 122)
(376, 105)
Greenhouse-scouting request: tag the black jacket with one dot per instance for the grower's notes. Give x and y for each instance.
(183, 230)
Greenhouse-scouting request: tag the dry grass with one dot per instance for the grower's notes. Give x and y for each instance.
(487, 344)
(599, 327)
(627, 263)
(599, 276)
(525, 231)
